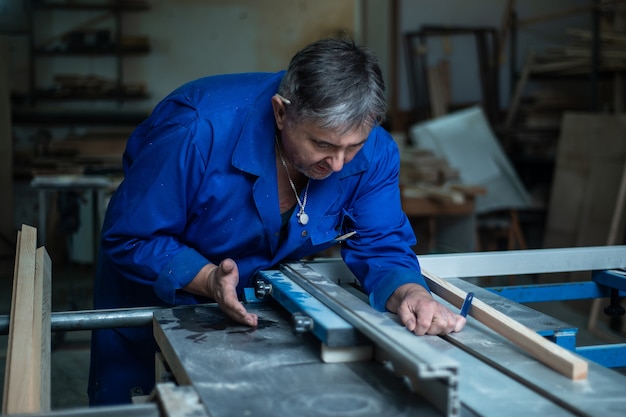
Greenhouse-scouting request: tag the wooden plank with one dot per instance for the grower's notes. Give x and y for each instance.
(437, 89)
(505, 28)
(519, 89)
(41, 347)
(590, 160)
(27, 374)
(179, 401)
(556, 357)
(7, 368)
(20, 393)
(616, 226)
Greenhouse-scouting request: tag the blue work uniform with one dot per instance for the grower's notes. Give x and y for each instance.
(200, 186)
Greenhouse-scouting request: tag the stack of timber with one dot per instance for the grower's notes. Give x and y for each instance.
(425, 175)
(575, 58)
(564, 74)
(583, 74)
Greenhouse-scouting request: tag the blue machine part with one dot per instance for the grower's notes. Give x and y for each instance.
(602, 284)
(328, 327)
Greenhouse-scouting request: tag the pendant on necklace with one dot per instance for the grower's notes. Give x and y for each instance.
(303, 218)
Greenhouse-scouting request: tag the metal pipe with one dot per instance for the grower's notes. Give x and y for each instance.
(96, 319)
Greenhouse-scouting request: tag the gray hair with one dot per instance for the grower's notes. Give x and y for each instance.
(336, 84)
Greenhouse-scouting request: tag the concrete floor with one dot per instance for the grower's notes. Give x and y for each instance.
(72, 286)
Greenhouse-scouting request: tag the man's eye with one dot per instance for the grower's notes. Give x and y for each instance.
(322, 145)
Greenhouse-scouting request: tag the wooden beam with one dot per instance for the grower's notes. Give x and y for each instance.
(438, 88)
(42, 333)
(18, 383)
(519, 89)
(27, 374)
(505, 28)
(556, 357)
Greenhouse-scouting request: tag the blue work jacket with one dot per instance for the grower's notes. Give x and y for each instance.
(200, 185)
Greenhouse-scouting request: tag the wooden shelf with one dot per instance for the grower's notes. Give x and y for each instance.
(83, 41)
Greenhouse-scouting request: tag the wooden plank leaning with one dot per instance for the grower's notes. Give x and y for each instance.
(550, 354)
(27, 373)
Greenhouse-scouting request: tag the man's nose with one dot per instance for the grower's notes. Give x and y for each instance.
(337, 160)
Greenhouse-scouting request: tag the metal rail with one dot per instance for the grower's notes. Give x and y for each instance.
(431, 374)
(520, 262)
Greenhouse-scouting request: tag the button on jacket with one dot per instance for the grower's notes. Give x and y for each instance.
(200, 186)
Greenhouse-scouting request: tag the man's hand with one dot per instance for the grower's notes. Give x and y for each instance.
(421, 314)
(219, 282)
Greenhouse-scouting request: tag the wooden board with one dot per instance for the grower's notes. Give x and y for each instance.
(27, 374)
(42, 335)
(590, 159)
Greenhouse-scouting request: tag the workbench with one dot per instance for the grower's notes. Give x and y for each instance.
(274, 371)
(97, 185)
(321, 350)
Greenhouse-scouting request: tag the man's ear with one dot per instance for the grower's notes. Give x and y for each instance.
(278, 105)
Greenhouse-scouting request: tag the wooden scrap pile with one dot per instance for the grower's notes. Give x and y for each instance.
(422, 166)
(425, 175)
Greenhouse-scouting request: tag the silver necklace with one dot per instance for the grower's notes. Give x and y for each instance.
(303, 218)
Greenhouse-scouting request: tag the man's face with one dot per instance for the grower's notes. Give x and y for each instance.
(318, 152)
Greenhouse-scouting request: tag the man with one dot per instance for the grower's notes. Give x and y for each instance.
(233, 174)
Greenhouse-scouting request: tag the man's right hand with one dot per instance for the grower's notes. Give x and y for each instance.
(219, 282)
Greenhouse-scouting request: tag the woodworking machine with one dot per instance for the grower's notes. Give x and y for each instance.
(321, 350)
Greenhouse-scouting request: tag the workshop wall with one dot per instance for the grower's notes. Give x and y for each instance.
(194, 38)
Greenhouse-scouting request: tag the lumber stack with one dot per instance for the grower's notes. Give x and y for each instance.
(425, 175)
(565, 72)
(575, 57)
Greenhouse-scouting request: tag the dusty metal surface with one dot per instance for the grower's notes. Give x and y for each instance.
(496, 378)
(270, 371)
(600, 394)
